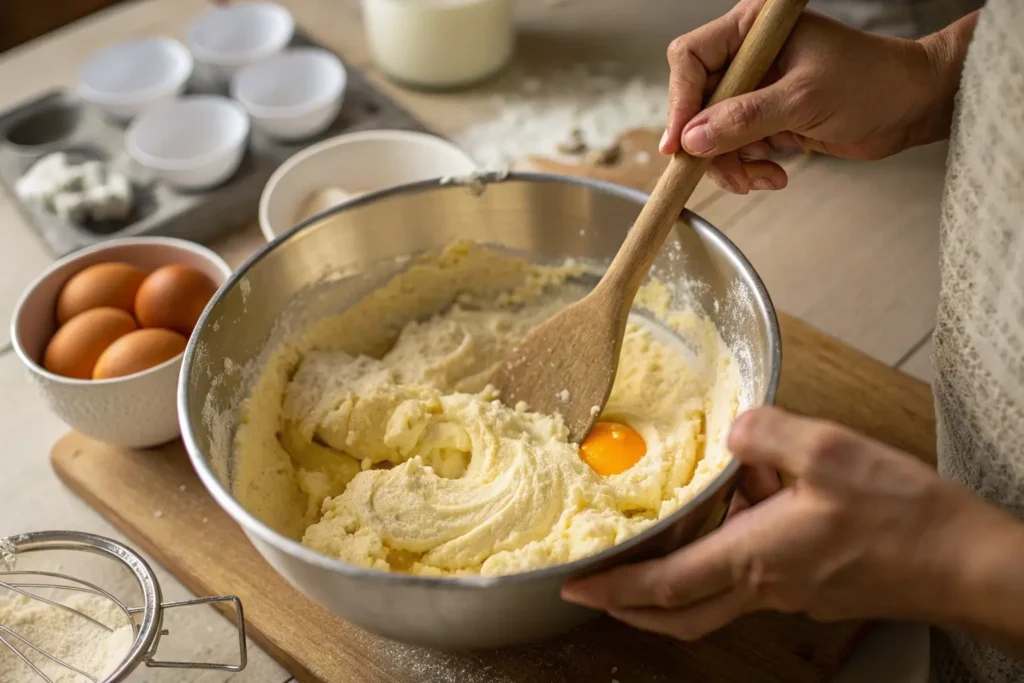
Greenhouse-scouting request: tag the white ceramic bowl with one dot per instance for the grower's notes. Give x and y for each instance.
(355, 163)
(125, 79)
(138, 410)
(439, 44)
(194, 143)
(294, 94)
(227, 38)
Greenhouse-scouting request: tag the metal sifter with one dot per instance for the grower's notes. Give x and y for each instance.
(146, 619)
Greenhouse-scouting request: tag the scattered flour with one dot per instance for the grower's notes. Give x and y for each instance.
(64, 635)
(543, 114)
(6, 555)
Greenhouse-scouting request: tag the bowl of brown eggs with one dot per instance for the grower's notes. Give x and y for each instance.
(102, 333)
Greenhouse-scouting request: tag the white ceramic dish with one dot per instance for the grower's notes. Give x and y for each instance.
(196, 142)
(229, 37)
(294, 94)
(355, 163)
(137, 410)
(125, 79)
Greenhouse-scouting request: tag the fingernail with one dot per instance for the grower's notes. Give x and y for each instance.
(664, 140)
(763, 184)
(698, 140)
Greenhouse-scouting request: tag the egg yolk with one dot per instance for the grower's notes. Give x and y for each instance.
(612, 448)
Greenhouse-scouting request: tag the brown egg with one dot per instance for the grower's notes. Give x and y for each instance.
(103, 284)
(173, 297)
(137, 351)
(78, 343)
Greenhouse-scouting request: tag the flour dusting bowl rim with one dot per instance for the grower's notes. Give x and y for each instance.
(257, 528)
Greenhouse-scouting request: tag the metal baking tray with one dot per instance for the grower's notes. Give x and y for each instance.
(58, 120)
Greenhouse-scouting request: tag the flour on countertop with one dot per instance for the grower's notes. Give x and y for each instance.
(6, 555)
(64, 635)
(543, 115)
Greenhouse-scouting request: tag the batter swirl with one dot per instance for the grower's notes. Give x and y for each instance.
(409, 462)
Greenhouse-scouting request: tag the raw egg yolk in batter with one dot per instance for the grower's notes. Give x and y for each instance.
(612, 448)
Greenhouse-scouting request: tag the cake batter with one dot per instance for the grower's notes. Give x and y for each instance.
(395, 454)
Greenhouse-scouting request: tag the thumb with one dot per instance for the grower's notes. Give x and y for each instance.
(738, 121)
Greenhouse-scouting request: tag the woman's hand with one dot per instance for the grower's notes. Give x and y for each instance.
(865, 532)
(833, 89)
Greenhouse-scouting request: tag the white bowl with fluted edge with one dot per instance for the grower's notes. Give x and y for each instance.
(294, 94)
(126, 78)
(138, 410)
(355, 163)
(227, 38)
(194, 143)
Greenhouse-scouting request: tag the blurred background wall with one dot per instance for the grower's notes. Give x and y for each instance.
(23, 20)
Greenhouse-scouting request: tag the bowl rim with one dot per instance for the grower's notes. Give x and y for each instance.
(255, 527)
(19, 349)
(377, 135)
(279, 14)
(230, 145)
(279, 112)
(184, 66)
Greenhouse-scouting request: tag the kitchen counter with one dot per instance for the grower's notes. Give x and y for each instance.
(865, 270)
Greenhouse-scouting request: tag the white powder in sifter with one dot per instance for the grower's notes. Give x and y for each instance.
(544, 114)
(64, 635)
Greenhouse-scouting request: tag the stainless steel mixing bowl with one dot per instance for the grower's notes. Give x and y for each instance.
(357, 246)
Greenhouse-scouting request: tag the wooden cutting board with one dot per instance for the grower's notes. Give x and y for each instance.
(156, 499)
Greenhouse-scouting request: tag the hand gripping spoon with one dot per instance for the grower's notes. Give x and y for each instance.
(568, 363)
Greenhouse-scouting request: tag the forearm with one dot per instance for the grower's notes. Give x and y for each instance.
(986, 590)
(945, 52)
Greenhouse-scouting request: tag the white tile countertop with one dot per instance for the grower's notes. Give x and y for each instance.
(885, 227)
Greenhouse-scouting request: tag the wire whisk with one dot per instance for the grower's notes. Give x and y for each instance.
(145, 620)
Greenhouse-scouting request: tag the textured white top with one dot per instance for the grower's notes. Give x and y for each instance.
(979, 337)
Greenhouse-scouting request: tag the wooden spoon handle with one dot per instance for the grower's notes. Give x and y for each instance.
(759, 49)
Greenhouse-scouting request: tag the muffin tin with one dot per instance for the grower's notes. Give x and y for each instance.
(59, 120)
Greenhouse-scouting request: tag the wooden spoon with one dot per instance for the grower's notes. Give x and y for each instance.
(568, 363)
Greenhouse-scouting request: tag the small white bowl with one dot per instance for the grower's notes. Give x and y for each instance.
(292, 95)
(227, 38)
(138, 410)
(127, 78)
(355, 163)
(194, 143)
